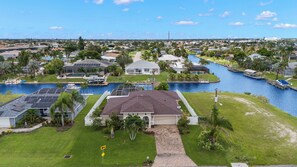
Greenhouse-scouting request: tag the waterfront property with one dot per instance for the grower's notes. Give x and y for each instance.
(290, 70)
(176, 63)
(256, 56)
(154, 107)
(10, 54)
(88, 65)
(41, 101)
(199, 69)
(252, 74)
(142, 67)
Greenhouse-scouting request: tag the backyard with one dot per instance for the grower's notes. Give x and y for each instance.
(46, 146)
(263, 134)
(4, 98)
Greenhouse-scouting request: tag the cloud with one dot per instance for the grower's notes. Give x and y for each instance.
(266, 15)
(98, 2)
(243, 14)
(236, 23)
(265, 3)
(275, 19)
(159, 17)
(225, 14)
(183, 22)
(125, 2)
(125, 10)
(56, 28)
(285, 26)
(211, 9)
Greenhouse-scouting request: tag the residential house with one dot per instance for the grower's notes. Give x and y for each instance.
(41, 101)
(198, 69)
(89, 65)
(290, 70)
(154, 107)
(256, 56)
(142, 67)
(10, 54)
(176, 63)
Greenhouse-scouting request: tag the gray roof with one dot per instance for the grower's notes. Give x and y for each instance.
(143, 64)
(292, 65)
(42, 99)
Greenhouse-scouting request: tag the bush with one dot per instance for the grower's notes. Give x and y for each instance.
(263, 99)
(30, 119)
(162, 86)
(205, 143)
(183, 124)
(247, 93)
(97, 123)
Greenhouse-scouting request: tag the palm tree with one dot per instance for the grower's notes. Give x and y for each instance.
(284, 52)
(76, 97)
(216, 125)
(63, 104)
(33, 67)
(133, 124)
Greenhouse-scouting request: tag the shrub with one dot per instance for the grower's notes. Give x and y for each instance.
(183, 124)
(263, 99)
(205, 142)
(30, 119)
(247, 93)
(97, 123)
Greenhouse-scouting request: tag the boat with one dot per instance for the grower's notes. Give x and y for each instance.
(252, 74)
(14, 81)
(281, 84)
(72, 87)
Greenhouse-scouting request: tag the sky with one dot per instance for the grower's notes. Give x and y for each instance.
(148, 19)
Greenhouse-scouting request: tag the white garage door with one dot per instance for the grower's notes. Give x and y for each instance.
(4, 123)
(165, 120)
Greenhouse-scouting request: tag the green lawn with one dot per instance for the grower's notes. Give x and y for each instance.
(46, 147)
(272, 76)
(7, 98)
(218, 60)
(209, 77)
(293, 82)
(163, 77)
(263, 134)
(51, 79)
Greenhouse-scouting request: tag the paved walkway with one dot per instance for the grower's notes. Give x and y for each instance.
(170, 149)
(137, 56)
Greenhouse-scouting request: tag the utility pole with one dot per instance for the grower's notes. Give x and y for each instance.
(216, 96)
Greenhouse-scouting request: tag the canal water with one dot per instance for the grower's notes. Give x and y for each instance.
(231, 82)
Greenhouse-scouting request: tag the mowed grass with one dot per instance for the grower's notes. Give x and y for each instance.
(51, 79)
(6, 98)
(46, 146)
(163, 77)
(263, 134)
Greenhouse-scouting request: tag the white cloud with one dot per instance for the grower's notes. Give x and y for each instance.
(243, 14)
(275, 19)
(265, 3)
(183, 22)
(225, 14)
(266, 15)
(56, 28)
(125, 10)
(123, 2)
(159, 17)
(237, 23)
(285, 25)
(98, 1)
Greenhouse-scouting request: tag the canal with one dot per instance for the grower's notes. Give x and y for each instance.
(231, 82)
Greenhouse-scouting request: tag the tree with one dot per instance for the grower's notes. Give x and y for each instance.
(90, 54)
(33, 67)
(4, 68)
(264, 52)
(123, 60)
(203, 62)
(163, 65)
(215, 125)
(162, 86)
(76, 97)
(114, 123)
(133, 124)
(24, 58)
(63, 104)
(69, 47)
(2, 58)
(96, 48)
(81, 43)
(54, 67)
(239, 57)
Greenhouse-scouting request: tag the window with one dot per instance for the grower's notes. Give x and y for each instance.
(146, 70)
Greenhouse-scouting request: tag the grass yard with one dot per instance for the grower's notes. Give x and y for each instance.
(51, 79)
(218, 60)
(293, 82)
(209, 77)
(163, 77)
(272, 76)
(263, 134)
(46, 146)
(6, 98)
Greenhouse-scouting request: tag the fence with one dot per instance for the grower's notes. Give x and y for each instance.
(193, 118)
(88, 118)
